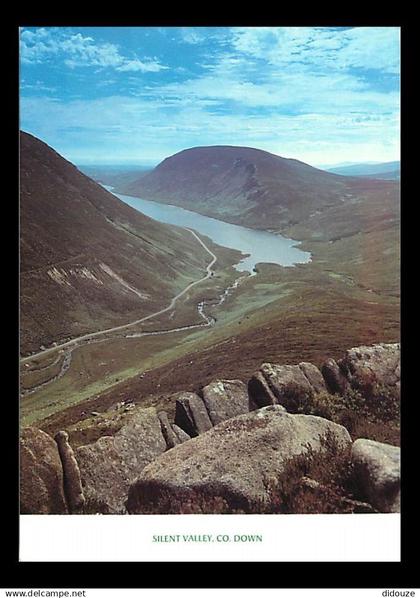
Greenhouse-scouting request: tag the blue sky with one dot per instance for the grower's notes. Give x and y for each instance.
(137, 95)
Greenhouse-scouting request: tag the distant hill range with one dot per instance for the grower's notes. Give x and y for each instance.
(89, 261)
(114, 176)
(385, 170)
(246, 186)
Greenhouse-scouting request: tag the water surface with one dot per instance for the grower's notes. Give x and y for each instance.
(260, 246)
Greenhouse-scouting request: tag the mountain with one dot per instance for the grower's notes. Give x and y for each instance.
(242, 185)
(385, 170)
(87, 260)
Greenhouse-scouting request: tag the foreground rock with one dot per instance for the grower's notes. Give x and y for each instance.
(72, 483)
(335, 379)
(41, 474)
(236, 461)
(172, 434)
(377, 470)
(171, 438)
(112, 463)
(286, 385)
(225, 399)
(370, 370)
(191, 413)
(180, 434)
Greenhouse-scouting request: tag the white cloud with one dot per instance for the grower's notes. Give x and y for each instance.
(138, 129)
(335, 49)
(299, 92)
(37, 86)
(36, 45)
(149, 66)
(78, 50)
(285, 90)
(191, 35)
(372, 47)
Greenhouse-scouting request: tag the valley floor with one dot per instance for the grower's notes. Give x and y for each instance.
(347, 296)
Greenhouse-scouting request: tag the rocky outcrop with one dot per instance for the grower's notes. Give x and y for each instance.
(335, 379)
(191, 413)
(313, 376)
(112, 463)
(41, 474)
(226, 447)
(225, 399)
(368, 369)
(220, 401)
(72, 483)
(377, 471)
(169, 435)
(180, 434)
(286, 385)
(172, 433)
(236, 460)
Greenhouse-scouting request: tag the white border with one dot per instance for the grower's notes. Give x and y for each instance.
(286, 538)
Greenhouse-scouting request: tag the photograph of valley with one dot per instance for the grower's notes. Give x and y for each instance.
(209, 270)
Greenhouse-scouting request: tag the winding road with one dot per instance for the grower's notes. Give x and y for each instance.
(88, 337)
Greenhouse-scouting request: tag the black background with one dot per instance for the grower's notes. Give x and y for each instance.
(202, 575)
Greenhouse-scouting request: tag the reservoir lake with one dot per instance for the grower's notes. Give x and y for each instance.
(260, 246)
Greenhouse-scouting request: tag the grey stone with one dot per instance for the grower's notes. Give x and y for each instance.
(41, 474)
(180, 434)
(236, 460)
(370, 368)
(377, 470)
(286, 385)
(191, 413)
(313, 375)
(112, 463)
(335, 380)
(73, 490)
(167, 431)
(225, 399)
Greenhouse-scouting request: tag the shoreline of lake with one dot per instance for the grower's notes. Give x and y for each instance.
(258, 246)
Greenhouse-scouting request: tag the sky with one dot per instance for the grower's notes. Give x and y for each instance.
(116, 95)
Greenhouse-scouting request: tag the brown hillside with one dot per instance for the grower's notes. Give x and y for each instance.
(246, 186)
(88, 260)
